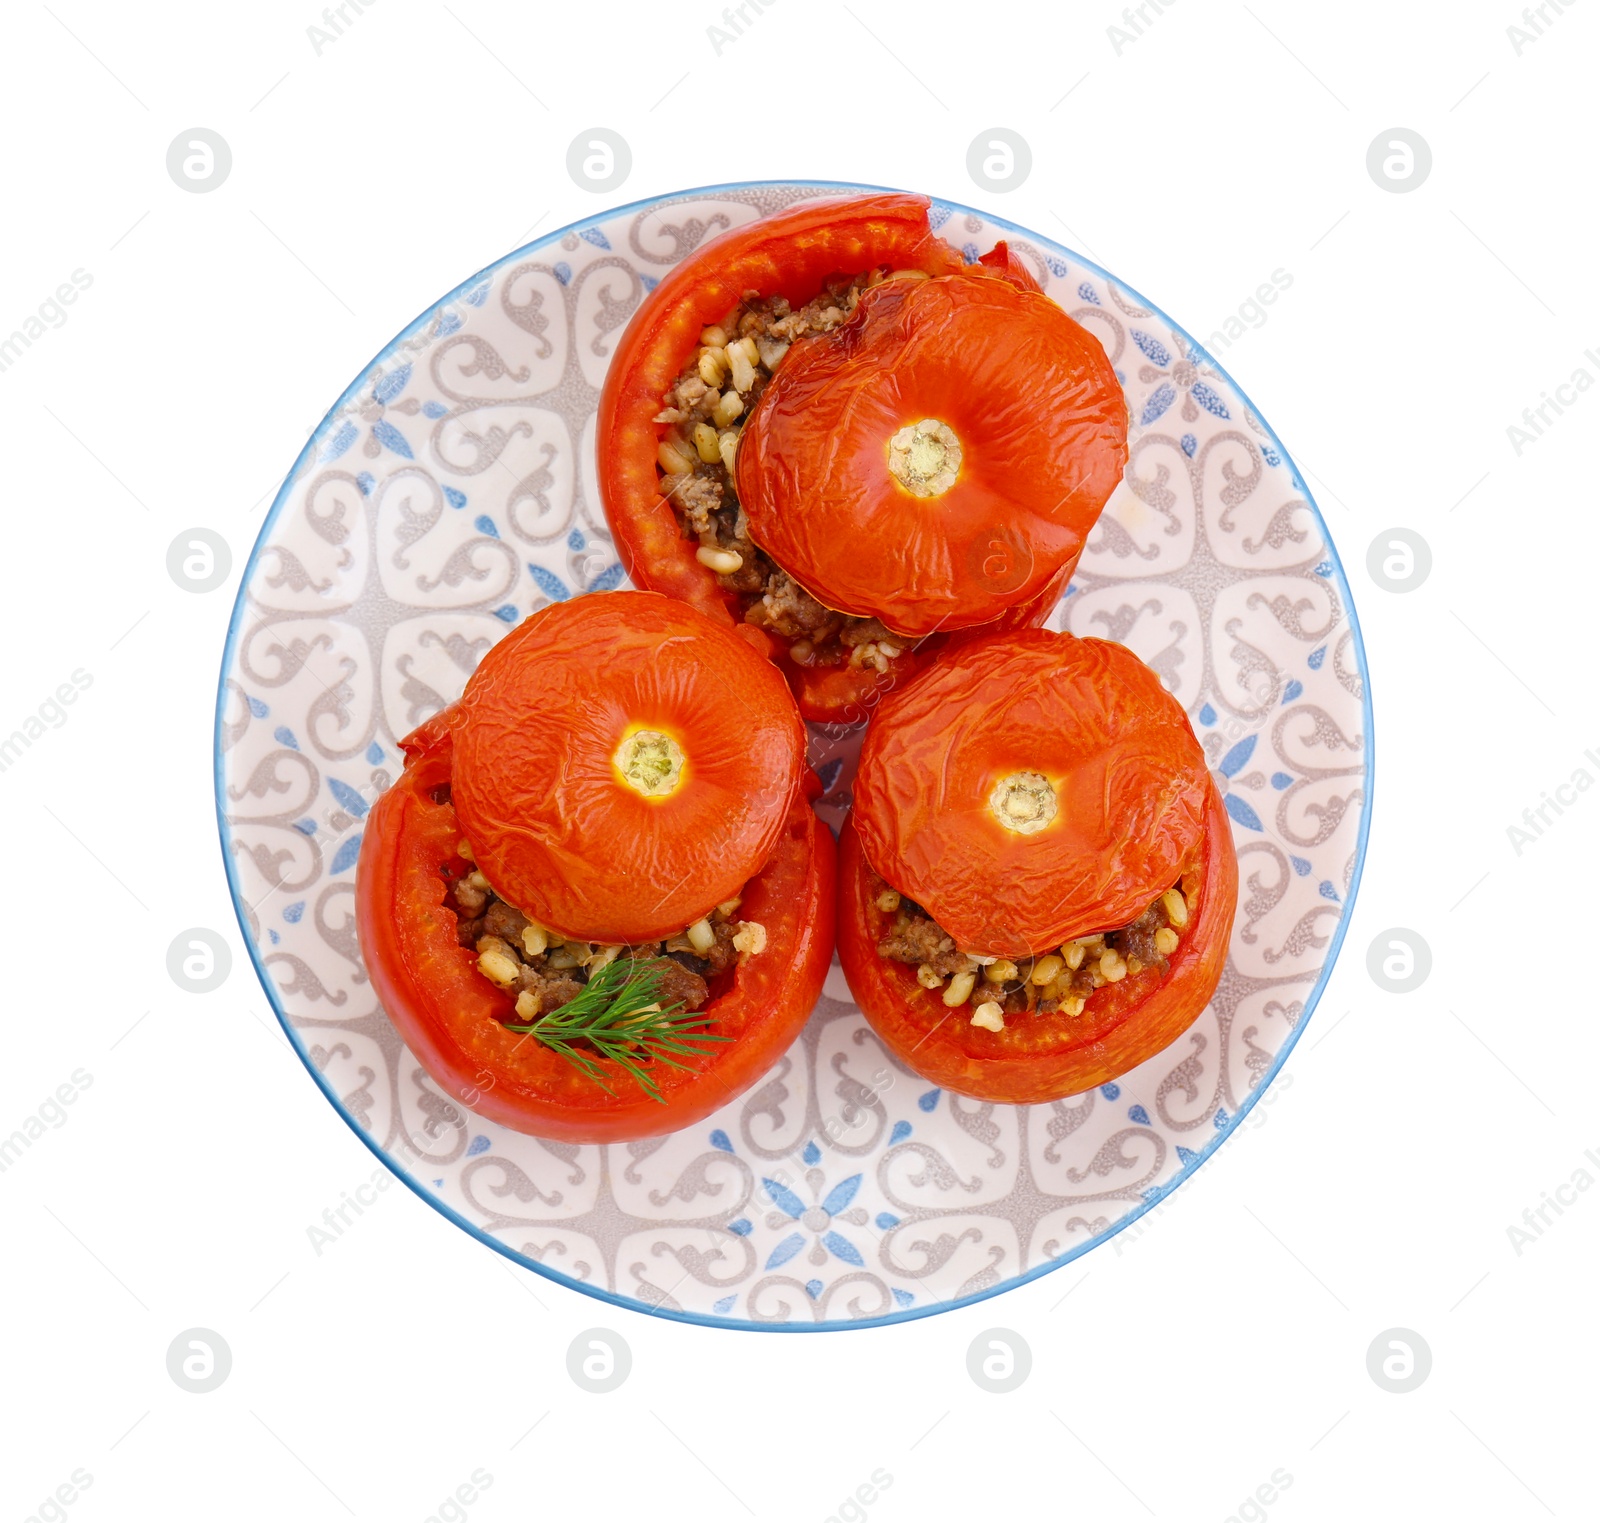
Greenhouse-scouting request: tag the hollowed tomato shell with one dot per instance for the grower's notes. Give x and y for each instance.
(552, 823)
(1042, 423)
(1038, 1058)
(791, 253)
(1131, 785)
(449, 1014)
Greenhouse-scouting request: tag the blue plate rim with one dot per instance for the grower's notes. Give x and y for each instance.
(599, 1293)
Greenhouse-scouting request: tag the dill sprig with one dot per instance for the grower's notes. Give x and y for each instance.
(617, 1014)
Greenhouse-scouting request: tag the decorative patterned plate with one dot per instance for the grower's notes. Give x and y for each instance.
(451, 491)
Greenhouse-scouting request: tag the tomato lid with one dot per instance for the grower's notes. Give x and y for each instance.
(1029, 788)
(623, 764)
(938, 457)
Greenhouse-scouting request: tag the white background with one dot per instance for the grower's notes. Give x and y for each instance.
(1175, 1370)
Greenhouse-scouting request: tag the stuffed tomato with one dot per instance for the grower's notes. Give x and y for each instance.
(1038, 881)
(597, 903)
(828, 426)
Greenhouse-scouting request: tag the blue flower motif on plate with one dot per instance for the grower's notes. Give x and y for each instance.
(819, 1220)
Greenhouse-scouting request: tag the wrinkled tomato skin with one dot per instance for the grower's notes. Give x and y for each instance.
(1129, 779)
(1038, 1058)
(553, 823)
(790, 254)
(1043, 449)
(449, 1014)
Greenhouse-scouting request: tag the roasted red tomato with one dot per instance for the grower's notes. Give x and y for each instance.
(665, 471)
(882, 456)
(1038, 880)
(624, 763)
(625, 1031)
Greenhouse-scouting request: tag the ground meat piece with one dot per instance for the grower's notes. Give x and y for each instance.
(866, 632)
(469, 898)
(1011, 998)
(789, 327)
(916, 939)
(1138, 940)
(691, 401)
(696, 965)
(789, 610)
(821, 314)
(680, 986)
(550, 987)
(729, 529)
(468, 931)
(698, 496)
(723, 955)
(1016, 996)
(689, 391)
(506, 923)
(756, 571)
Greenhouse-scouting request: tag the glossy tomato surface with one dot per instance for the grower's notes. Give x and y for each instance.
(792, 254)
(555, 825)
(450, 1015)
(1040, 423)
(1128, 780)
(1038, 1058)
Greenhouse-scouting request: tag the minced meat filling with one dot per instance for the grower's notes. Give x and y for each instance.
(703, 411)
(545, 971)
(1054, 983)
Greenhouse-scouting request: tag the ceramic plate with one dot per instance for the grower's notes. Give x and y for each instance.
(451, 491)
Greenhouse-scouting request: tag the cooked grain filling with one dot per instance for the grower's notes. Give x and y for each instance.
(1054, 983)
(544, 971)
(703, 411)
